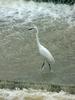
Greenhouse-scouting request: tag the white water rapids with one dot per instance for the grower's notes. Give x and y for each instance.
(30, 94)
(29, 11)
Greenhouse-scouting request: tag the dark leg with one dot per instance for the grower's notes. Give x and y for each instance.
(43, 64)
(49, 66)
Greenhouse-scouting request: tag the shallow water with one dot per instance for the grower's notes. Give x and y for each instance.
(31, 94)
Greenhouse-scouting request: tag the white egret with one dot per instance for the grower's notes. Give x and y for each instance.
(43, 51)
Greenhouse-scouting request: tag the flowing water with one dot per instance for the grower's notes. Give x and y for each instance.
(18, 51)
(31, 94)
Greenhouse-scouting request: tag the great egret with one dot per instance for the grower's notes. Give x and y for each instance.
(43, 51)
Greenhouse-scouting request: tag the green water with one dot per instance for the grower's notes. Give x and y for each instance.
(20, 59)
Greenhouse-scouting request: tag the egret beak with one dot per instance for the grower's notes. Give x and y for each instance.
(30, 28)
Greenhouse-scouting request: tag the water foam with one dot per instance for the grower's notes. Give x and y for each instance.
(29, 11)
(31, 94)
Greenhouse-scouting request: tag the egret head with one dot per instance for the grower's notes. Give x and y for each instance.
(34, 27)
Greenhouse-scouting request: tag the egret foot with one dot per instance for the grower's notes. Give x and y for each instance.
(52, 71)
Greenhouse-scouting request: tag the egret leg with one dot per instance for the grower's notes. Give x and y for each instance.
(43, 64)
(49, 66)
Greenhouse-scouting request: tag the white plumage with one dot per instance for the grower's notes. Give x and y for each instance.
(43, 51)
(46, 54)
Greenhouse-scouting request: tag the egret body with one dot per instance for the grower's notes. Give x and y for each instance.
(44, 52)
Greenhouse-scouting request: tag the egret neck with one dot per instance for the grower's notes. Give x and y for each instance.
(37, 38)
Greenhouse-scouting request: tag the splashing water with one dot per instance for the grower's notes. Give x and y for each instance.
(29, 11)
(31, 94)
